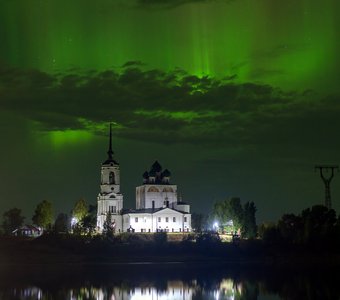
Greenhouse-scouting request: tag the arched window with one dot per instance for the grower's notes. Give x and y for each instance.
(153, 189)
(112, 178)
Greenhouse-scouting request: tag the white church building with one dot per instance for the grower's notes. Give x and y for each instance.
(157, 205)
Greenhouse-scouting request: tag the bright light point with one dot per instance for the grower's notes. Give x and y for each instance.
(74, 221)
(215, 225)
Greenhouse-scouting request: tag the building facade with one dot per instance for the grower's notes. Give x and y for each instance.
(157, 205)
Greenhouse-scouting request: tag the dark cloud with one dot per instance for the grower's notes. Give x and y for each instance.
(279, 50)
(252, 140)
(154, 105)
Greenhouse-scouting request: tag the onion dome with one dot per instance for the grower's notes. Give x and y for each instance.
(166, 173)
(156, 167)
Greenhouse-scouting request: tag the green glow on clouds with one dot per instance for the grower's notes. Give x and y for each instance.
(287, 43)
(64, 138)
(186, 116)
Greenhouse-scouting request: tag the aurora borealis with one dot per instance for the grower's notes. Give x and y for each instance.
(287, 44)
(235, 97)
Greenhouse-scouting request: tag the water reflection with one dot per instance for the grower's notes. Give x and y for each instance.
(174, 290)
(145, 283)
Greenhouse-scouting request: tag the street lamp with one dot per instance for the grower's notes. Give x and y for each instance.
(215, 226)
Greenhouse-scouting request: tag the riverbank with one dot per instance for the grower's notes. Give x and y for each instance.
(67, 249)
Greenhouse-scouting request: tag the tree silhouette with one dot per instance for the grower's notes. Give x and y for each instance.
(43, 215)
(243, 217)
(80, 209)
(12, 219)
(61, 224)
(249, 227)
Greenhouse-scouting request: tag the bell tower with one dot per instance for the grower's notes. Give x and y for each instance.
(110, 173)
(110, 199)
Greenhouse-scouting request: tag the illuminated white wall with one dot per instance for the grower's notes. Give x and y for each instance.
(166, 220)
(158, 193)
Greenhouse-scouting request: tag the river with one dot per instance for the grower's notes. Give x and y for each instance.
(150, 281)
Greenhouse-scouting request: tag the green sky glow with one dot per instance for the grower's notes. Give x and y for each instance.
(237, 97)
(287, 44)
(65, 137)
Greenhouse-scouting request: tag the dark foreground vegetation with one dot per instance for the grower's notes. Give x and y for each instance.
(129, 247)
(309, 239)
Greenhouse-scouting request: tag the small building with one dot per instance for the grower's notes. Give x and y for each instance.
(28, 230)
(158, 208)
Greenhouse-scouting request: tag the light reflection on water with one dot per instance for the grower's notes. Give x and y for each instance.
(174, 290)
(160, 282)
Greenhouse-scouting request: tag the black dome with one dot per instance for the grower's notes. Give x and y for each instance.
(156, 167)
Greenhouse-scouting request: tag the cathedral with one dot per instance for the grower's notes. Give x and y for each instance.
(158, 208)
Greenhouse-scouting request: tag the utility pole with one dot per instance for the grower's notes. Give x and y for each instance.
(327, 181)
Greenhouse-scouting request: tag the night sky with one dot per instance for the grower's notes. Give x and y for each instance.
(234, 97)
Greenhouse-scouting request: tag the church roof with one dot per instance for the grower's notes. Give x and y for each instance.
(149, 211)
(182, 203)
(140, 211)
(152, 173)
(156, 167)
(110, 159)
(166, 173)
(156, 174)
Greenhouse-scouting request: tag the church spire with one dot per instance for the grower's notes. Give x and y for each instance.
(110, 159)
(110, 152)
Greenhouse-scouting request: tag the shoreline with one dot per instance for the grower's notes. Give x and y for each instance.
(247, 254)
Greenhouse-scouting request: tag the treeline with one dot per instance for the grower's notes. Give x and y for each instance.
(82, 219)
(229, 216)
(313, 226)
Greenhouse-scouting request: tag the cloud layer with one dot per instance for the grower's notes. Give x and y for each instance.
(176, 107)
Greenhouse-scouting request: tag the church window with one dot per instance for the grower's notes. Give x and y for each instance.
(112, 209)
(166, 219)
(185, 219)
(174, 219)
(159, 219)
(136, 220)
(112, 178)
(153, 189)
